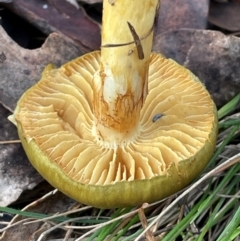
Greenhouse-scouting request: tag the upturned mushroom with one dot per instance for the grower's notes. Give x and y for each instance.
(121, 126)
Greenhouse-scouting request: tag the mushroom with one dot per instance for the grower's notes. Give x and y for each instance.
(122, 126)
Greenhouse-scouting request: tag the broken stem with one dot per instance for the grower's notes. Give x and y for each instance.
(120, 85)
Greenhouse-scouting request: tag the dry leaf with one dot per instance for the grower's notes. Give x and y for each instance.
(211, 55)
(225, 15)
(177, 14)
(16, 173)
(21, 68)
(62, 17)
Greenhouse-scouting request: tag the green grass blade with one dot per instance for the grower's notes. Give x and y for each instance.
(221, 208)
(231, 227)
(133, 236)
(222, 146)
(109, 228)
(235, 234)
(30, 214)
(226, 109)
(210, 220)
(204, 204)
(41, 216)
(229, 123)
(134, 220)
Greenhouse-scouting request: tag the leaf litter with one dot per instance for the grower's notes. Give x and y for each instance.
(190, 47)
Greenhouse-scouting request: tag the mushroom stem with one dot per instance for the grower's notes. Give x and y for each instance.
(120, 85)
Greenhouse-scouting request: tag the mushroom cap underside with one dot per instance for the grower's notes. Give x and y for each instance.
(173, 142)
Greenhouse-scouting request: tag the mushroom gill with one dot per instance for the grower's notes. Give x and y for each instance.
(175, 122)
